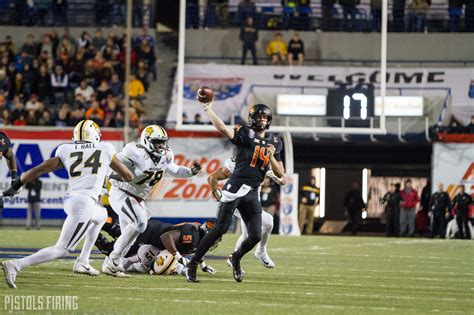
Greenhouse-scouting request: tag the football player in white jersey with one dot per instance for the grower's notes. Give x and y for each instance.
(87, 161)
(267, 219)
(147, 160)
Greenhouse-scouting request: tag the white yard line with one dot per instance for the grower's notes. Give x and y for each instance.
(280, 305)
(272, 292)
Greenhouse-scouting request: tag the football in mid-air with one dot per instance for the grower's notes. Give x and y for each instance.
(205, 94)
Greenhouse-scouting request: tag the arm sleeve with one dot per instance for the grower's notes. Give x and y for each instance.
(241, 136)
(177, 170)
(230, 164)
(278, 150)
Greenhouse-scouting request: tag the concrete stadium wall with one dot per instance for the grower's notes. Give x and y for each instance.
(19, 33)
(344, 46)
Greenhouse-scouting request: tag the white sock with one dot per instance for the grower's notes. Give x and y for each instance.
(267, 227)
(124, 242)
(41, 256)
(243, 235)
(91, 236)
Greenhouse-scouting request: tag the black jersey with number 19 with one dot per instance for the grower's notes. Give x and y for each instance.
(252, 159)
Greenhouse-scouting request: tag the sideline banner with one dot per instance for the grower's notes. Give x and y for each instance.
(233, 84)
(452, 165)
(289, 206)
(31, 147)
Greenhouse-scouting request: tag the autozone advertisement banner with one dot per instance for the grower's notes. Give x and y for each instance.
(289, 207)
(233, 84)
(189, 198)
(32, 147)
(453, 164)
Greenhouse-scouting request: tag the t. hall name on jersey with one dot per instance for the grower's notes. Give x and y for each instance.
(83, 146)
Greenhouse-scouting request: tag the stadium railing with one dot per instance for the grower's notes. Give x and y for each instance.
(274, 17)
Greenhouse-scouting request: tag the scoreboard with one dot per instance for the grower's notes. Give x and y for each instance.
(354, 104)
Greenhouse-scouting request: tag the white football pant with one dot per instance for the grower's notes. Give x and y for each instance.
(267, 227)
(133, 217)
(85, 217)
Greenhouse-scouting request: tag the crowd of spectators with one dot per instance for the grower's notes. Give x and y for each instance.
(334, 15)
(58, 80)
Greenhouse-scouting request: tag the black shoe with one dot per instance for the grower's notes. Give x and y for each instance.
(237, 270)
(191, 273)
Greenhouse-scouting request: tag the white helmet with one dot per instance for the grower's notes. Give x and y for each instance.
(87, 131)
(155, 139)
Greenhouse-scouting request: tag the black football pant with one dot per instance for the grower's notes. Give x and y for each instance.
(251, 212)
(438, 225)
(393, 223)
(354, 216)
(463, 226)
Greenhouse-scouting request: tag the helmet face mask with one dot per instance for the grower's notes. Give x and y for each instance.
(155, 139)
(260, 117)
(160, 146)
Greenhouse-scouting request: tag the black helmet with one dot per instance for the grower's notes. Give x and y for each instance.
(259, 109)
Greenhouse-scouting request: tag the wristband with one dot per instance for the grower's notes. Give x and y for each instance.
(217, 194)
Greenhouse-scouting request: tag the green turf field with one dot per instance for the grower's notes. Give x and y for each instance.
(319, 274)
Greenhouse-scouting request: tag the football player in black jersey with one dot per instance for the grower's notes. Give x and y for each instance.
(7, 152)
(180, 240)
(257, 150)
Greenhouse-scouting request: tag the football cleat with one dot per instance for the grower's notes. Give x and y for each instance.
(84, 268)
(262, 257)
(191, 273)
(10, 271)
(112, 269)
(229, 263)
(237, 270)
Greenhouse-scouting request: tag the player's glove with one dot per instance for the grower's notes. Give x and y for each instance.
(13, 189)
(217, 193)
(206, 268)
(195, 168)
(182, 260)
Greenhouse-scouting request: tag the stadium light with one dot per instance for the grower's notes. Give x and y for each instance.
(322, 193)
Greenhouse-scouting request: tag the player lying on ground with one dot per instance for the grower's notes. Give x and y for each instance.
(257, 150)
(267, 219)
(87, 161)
(179, 240)
(147, 160)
